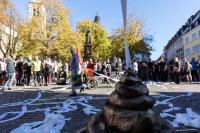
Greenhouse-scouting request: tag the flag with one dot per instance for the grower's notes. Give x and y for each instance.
(127, 52)
(79, 55)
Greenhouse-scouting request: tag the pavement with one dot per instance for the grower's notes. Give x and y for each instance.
(87, 104)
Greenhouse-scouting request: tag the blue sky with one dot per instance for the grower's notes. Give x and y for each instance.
(162, 17)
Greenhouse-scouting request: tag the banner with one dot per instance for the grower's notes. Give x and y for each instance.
(127, 52)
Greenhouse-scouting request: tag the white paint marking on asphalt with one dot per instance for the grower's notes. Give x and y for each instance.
(24, 110)
(70, 105)
(163, 115)
(53, 123)
(162, 86)
(189, 118)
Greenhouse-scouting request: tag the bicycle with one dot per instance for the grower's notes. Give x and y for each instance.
(92, 83)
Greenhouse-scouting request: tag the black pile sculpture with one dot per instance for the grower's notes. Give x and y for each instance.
(128, 110)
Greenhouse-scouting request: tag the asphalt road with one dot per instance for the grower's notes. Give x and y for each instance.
(37, 100)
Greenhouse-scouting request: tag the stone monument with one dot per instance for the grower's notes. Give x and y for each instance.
(128, 110)
(87, 46)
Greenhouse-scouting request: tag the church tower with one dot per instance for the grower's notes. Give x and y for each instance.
(97, 18)
(35, 8)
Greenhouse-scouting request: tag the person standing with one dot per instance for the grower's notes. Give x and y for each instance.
(198, 65)
(150, 70)
(135, 66)
(195, 75)
(11, 73)
(27, 71)
(119, 65)
(182, 72)
(55, 70)
(50, 70)
(108, 67)
(90, 67)
(162, 66)
(171, 73)
(144, 71)
(65, 68)
(75, 73)
(46, 72)
(19, 70)
(187, 70)
(156, 72)
(37, 71)
(113, 64)
(176, 70)
(2, 71)
(104, 71)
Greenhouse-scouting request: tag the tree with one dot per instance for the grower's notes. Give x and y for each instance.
(138, 41)
(50, 37)
(99, 38)
(10, 25)
(4, 5)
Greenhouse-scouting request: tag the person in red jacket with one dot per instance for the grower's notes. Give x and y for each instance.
(90, 67)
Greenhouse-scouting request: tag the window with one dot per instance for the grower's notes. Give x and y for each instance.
(199, 34)
(34, 12)
(194, 36)
(199, 48)
(187, 51)
(196, 49)
(186, 40)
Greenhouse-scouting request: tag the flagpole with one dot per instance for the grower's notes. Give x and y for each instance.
(126, 48)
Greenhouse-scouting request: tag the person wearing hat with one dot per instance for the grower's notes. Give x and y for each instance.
(75, 73)
(11, 73)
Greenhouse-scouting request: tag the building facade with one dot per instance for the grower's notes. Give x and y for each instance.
(6, 34)
(142, 57)
(37, 9)
(186, 42)
(192, 43)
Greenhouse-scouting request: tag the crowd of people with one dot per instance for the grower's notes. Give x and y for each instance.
(43, 72)
(23, 71)
(37, 72)
(175, 70)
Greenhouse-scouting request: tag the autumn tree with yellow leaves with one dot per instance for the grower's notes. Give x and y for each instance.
(53, 37)
(138, 41)
(10, 25)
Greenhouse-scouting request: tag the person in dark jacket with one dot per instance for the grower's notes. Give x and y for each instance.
(195, 76)
(176, 70)
(162, 66)
(27, 71)
(46, 72)
(171, 73)
(151, 68)
(19, 70)
(156, 72)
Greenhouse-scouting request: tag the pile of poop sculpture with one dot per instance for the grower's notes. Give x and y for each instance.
(128, 110)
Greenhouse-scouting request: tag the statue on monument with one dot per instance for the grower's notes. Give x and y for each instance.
(88, 37)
